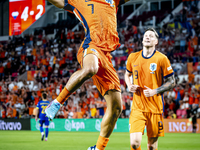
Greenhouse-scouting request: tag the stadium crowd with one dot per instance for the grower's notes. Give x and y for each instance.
(51, 61)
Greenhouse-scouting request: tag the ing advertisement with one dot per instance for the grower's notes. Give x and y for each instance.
(180, 126)
(23, 13)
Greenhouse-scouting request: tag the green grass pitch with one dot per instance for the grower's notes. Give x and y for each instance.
(30, 140)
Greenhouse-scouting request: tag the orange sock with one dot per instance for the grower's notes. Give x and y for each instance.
(64, 94)
(139, 148)
(102, 142)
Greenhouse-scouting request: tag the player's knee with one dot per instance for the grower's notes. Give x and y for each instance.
(89, 72)
(117, 110)
(135, 144)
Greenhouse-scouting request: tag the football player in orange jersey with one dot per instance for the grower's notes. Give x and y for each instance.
(149, 69)
(98, 18)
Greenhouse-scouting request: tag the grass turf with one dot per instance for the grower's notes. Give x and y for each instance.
(31, 140)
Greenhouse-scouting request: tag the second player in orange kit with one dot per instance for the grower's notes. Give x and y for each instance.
(152, 75)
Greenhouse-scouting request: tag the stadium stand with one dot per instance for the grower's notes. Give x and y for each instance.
(36, 62)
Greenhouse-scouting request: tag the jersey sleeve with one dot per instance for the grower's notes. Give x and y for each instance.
(128, 65)
(166, 68)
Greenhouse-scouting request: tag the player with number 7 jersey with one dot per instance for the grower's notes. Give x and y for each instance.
(98, 18)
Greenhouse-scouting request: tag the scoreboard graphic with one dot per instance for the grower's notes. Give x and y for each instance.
(23, 13)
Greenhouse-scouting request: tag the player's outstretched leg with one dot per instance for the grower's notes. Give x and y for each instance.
(90, 68)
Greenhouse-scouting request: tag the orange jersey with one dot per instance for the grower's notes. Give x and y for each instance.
(148, 72)
(98, 18)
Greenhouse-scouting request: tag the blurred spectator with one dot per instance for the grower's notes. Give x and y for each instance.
(181, 112)
(1, 71)
(25, 115)
(182, 43)
(185, 101)
(194, 117)
(171, 115)
(17, 106)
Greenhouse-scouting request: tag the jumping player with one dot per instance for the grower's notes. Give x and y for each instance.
(98, 18)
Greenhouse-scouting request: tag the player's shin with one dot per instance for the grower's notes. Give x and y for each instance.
(42, 133)
(113, 111)
(64, 94)
(107, 126)
(46, 132)
(152, 143)
(75, 81)
(41, 130)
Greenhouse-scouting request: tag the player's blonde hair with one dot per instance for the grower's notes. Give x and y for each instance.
(153, 30)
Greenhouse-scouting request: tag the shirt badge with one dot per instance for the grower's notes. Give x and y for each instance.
(153, 67)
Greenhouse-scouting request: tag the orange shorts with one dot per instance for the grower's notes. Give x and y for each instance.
(106, 77)
(153, 122)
